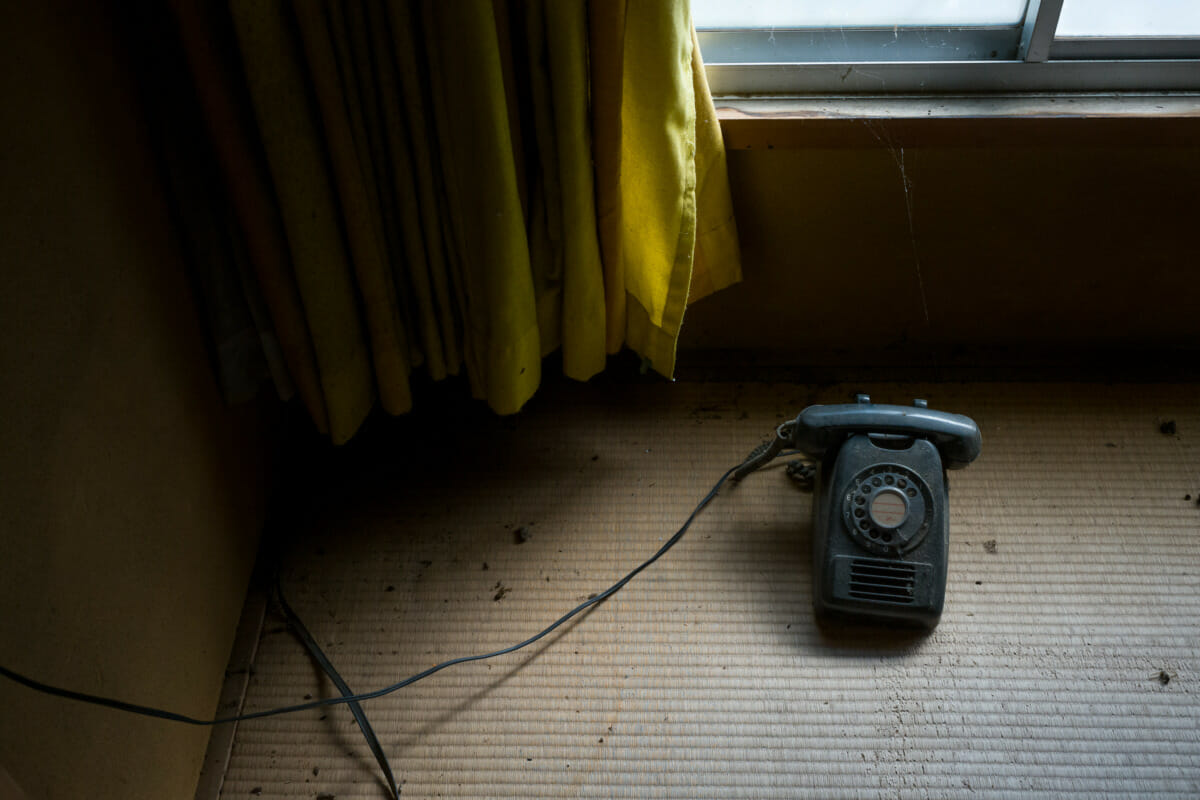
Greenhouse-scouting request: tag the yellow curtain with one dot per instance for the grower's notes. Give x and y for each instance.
(465, 186)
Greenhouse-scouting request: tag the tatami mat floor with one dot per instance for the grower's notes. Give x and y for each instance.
(1067, 661)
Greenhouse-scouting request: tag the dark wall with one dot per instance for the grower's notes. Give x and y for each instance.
(1036, 235)
(131, 497)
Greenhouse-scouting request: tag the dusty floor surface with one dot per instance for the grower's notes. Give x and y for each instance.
(1067, 661)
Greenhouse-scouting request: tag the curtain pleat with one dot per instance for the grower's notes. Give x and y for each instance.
(717, 262)
(657, 217)
(465, 186)
(479, 173)
(360, 77)
(220, 91)
(421, 172)
(545, 225)
(606, 49)
(298, 160)
(349, 155)
(582, 275)
(402, 208)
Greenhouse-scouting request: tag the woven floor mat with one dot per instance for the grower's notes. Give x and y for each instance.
(1067, 661)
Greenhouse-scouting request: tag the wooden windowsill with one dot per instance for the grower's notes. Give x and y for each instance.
(839, 122)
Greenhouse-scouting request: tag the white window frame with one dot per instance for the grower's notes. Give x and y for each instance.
(1024, 57)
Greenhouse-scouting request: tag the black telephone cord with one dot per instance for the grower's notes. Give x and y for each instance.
(354, 700)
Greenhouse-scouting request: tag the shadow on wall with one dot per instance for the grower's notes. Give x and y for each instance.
(1029, 241)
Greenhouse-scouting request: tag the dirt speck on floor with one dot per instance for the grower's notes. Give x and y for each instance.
(522, 534)
(1168, 428)
(501, 590)
(990, 546)
(707, 412)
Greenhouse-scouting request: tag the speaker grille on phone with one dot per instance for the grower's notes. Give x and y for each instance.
(882, 581)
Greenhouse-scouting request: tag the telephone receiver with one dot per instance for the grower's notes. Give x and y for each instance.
(881, 523)
(821, 428)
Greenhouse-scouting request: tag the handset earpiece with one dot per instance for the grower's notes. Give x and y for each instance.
(818, 429)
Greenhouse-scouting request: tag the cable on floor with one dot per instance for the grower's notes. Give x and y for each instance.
(756, 460)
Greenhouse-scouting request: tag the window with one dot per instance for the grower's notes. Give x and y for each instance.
(909, 46)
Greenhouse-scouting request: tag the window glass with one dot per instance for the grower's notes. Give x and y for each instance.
(733, 14)
(1117, 18)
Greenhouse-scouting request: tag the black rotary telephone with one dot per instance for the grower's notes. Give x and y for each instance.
(881, 525)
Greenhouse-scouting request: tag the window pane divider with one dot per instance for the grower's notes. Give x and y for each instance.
(1041, 20)
(1094, 47)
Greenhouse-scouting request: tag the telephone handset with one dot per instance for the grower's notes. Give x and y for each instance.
(880, 504)
(819, 428)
